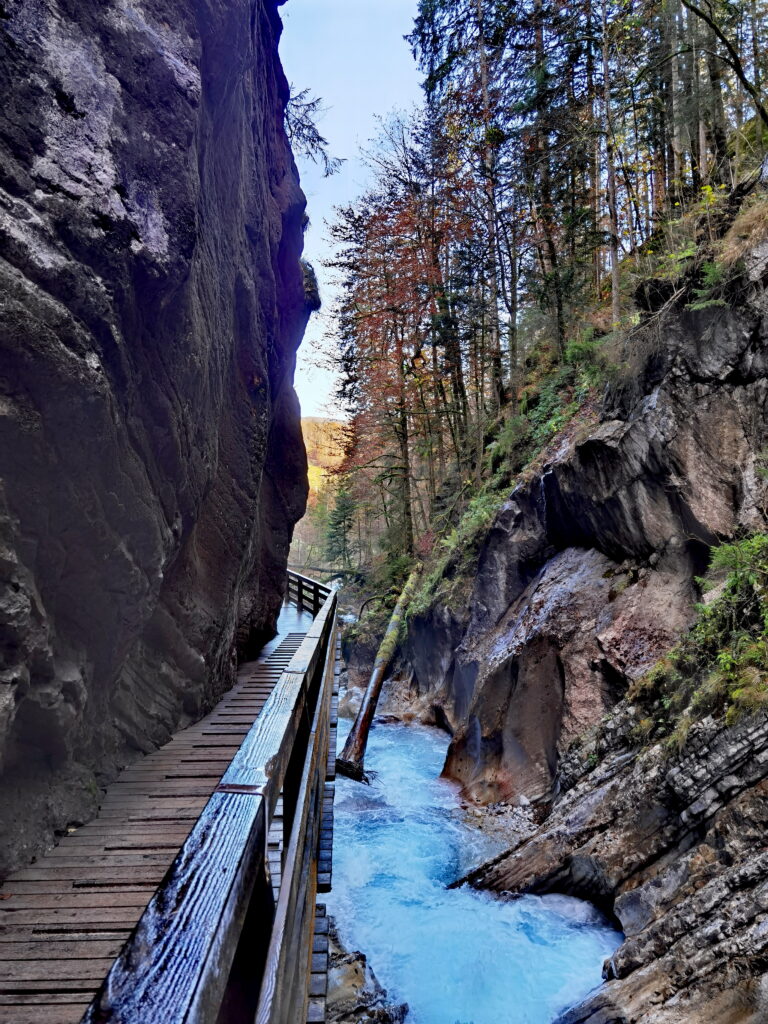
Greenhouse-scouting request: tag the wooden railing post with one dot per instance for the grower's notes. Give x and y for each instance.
(306, 592)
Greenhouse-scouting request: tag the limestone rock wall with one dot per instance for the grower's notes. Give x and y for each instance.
(586, 577)
(674, 847)
(151, 304)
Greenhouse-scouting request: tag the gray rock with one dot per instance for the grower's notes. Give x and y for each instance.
(680, 860)
(350, 703)
(586, 577)
(355, 995)
(151, 303)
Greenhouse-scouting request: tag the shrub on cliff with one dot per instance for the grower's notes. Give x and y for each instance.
(721, 666)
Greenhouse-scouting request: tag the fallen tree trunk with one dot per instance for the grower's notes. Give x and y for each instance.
(350, 761)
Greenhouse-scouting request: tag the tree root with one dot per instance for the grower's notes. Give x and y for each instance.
(355, 771)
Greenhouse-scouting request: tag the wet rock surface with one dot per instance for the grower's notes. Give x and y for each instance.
(586, 577)
(354, 993)
(674, 847)
(151, 463)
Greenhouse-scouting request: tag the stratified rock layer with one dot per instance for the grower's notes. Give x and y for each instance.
(675, 848)
(151, 462)
(587, 575)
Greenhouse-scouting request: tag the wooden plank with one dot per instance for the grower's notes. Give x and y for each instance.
(50, 970)
(72, 858)
(44, 871)
(107, 933)
(169, 839)
(316, 1010)
(318, 984)
(85, 918)
(200, 910)
(63, 1014)
(77, 900)
(81, 986)
(46, 886)
(61, 951)
(36, 999)
(98, 829)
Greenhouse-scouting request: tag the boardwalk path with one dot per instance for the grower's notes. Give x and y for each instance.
(65, 919)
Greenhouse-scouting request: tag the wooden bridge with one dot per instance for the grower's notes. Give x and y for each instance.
(192, 896)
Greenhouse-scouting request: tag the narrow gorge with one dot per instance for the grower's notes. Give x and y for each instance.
(589, 575)
(525, 440)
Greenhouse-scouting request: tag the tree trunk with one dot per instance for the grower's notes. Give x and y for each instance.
(489, 176)
(613, 216)
(350, 761)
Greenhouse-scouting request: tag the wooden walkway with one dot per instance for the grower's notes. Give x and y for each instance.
(65, 919)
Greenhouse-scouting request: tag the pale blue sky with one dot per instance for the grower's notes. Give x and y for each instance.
(352, 54)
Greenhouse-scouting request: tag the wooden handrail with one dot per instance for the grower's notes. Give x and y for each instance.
(306, 592)
(177, 965)
(284, 990)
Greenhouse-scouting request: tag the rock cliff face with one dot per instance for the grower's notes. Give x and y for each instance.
(675, 849)
(585, 579)
(587, 575)
(151, 303)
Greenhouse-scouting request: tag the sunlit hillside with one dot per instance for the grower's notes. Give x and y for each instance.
(324, 442)
(323, 439)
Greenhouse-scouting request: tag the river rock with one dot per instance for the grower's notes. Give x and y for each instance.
(151, 462)
(350, 703)
(674, 848)
(354, 993)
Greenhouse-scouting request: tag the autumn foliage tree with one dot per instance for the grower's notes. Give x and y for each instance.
(553, 144)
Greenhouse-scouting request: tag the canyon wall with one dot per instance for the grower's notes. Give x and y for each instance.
(586, 577)
(151, 304)
(672, 844)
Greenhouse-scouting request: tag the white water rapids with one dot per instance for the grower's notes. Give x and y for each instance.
(452, 955)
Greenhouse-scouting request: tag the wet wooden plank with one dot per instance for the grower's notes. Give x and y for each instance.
(200, 909)
(80, 903)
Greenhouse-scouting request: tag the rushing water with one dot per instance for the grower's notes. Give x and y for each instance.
(452, 955)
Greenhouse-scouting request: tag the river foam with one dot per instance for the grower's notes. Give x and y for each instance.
(453, 955)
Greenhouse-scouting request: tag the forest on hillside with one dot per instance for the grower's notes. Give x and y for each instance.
(573, 173)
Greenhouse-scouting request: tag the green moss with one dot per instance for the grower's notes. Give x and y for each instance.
(551, 396)
(450, 571)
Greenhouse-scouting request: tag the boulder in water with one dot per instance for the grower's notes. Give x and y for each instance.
(354, 993)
